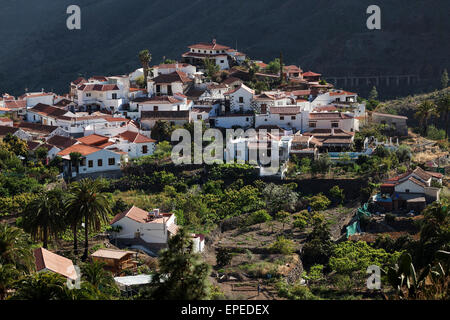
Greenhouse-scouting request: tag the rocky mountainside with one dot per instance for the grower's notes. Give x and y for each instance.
(327, 36)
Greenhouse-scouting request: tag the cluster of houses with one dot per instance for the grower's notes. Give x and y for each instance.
(135, 229)
(108, 119)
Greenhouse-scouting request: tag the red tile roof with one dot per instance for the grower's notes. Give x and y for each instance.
(93, 140)
(135, 137)
(98, 87)
(46, 260)
(81, 148)
(139, 215)
(311, 74)
(208, 46)
(176, 76)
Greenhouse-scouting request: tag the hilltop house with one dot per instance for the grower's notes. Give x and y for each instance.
(215, 52)
(186, 68)
(135, 144)
(34, 98)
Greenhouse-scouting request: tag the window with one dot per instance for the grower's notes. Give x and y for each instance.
(88, 94)
(83, 162)
(158, 88)
(335, 124)
(199, 117)
(312, 124)
(144, 149)
(114, 96)
(90, 163)
(222, 61)
(407, 190)
(281, 118)
(292, 117)
(241, 99)
(99, 162)
(169, 90)
(155, 108)
(111, 161)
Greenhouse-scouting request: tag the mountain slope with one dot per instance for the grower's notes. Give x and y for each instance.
(324, 35)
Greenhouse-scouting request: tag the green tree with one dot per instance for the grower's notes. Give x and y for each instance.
(373, 95)
(283, 246)
(443, 108)
(211, 68)
(181, 275)
(75, 159)
(322, 164)
(283, 217)
(86, 198)
(15, 145)
(42, 286)
(337, 193)
(15, 248)
(94, 273)
(274, 66)
(8, 275)
(259, 216)
(43, 217)
(223, 257)
(424, 111)
(279, 197)
(145, 57)
(162, 131)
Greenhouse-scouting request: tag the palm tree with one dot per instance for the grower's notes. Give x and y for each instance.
(86, 201)
(424, 111)
(41, 286)
(145, 57)
(75, 158)
(95, 274)
(15, 248)
(443, 107)
(43, 217)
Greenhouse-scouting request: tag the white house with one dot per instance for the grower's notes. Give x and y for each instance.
(135, 144)
(240, 99)
(217, 53)
(169, 84)
(152, 227)
(94, 160)
(34, 98)
(46, 114)
(332, 120)
(163, 68)
(101, 96)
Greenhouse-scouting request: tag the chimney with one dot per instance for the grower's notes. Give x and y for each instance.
(156, 212)
(214, 42)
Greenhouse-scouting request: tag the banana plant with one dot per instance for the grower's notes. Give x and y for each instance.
(403, 276)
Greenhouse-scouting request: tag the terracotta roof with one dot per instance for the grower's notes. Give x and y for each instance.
(165, 114)
(32, 145)
(93, 139)
(325, 108)
(61, 142)
(341, 93)
(47, 110)
(262, 65)
(15, 104)
(436, 175)
(98, 78)
(285, 110)
(171, 65)
(4, 119)
(135, 137)
(79, 80)
(46, 260)
(173, 229)
(4, 130)
(243, 86)
(81, 148)
(311, 74)
(35, 94)
(176, 76)
(329, 116)
(208, 46)
(63, 102)
(422, 174)
(35, 127)
(415, 181)
(111, 254)
(231, 80)
(139, 215)
(158, 99)
(98, 87)
(300, 92)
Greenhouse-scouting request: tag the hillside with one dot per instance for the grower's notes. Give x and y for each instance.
(407, 106)
(327, 36)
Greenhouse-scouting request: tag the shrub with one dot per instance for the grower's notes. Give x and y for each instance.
(319, 202)
(283, 246)
(223, 257)
(315, 272)
(259, 216)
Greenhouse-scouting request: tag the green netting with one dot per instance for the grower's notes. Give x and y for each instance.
(353, 228)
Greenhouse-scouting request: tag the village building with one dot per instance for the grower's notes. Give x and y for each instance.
(213, 51)
(412, 190)
(332, 139)
(116, 261)
(164, 68)
(169, 84)
(151, 228)
(34, 98)
(19, 133)
(395, 123)
(46, 260)
(134, 144)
